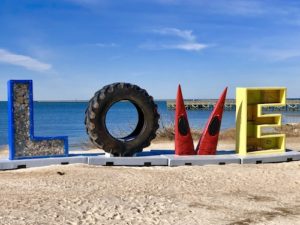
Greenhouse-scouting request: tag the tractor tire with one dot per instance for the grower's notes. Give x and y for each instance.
(145, 130)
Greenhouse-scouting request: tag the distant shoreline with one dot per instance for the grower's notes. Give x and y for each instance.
(75, 101)
(158, 100)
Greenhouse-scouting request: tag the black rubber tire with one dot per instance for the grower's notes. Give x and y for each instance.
(141, 136)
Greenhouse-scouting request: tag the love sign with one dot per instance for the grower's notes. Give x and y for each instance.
(22, 141)
(251, 122)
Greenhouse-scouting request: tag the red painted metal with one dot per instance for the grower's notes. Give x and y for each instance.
(183, 138)
(209, 139)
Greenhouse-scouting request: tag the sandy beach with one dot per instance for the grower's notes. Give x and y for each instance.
(81, 194)
(77, 75)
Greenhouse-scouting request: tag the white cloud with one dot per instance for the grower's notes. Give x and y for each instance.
(284, 11)
(184, 46)
(106, 45)
(277, 54)
(23, 61)
(239, 7)
(187, 40)
(184, 34)
(189, 46)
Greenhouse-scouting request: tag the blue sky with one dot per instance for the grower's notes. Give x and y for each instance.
(71, 48)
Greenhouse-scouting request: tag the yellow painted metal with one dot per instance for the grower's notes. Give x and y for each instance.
(251, 123)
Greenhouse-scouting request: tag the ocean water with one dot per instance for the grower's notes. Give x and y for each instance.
(67, 118)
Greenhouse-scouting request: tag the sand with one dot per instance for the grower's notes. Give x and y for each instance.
(82, 194)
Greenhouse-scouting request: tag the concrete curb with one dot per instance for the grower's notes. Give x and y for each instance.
(271, 158)
(128, 161)
(27, 163)
(152, 158)
(202, 160)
